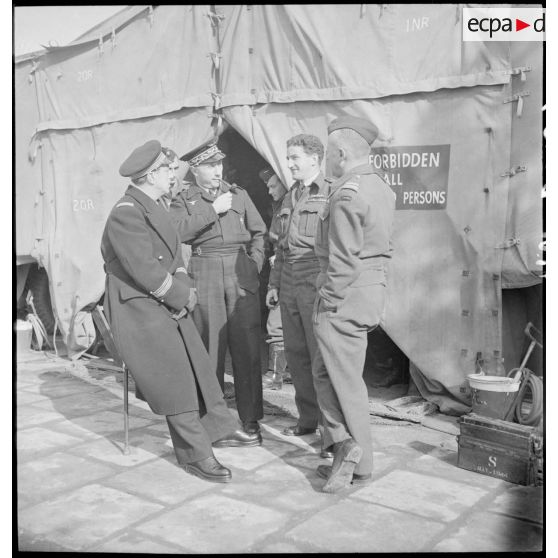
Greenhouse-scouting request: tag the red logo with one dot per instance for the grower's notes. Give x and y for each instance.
(519, 25)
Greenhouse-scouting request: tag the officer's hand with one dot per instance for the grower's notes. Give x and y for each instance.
(272, 298)
(223, 203)
(272, 261)
(193, 300)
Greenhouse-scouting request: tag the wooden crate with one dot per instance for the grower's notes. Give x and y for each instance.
(501, 449)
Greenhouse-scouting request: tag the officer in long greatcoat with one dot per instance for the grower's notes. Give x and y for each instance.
(226, 233)
(353, 244)
(148, 300)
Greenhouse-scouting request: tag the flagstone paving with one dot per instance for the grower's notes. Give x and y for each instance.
(78, 491)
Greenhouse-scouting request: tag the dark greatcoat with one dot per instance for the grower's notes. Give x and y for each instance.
(141, 250)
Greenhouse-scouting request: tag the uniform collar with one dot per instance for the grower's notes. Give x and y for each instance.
(362, 169)
(195, 190)
(311, 181)
(319, 182)
(158, 217)
(358, 170)
(141, 197)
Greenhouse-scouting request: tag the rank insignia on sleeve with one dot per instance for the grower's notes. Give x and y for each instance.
(124, 204)
(351, 186)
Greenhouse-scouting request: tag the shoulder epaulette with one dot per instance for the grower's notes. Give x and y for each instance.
(123, 204)
(233, 186)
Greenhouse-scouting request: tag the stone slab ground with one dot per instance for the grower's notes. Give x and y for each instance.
(78, 492)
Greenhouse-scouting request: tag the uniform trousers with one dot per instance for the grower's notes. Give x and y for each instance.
(274, 325)
(342, 337)
(193, 434)
(296, 296)
(229, 315)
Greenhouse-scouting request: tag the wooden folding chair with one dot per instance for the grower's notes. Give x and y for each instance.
(103, 326)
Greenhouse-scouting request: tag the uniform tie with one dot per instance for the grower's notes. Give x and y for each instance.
(164, 202)
(299, 191)
(214, 192)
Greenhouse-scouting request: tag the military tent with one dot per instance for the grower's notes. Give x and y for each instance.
(460, 144)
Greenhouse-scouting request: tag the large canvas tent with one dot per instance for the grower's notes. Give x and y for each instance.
(460, 144)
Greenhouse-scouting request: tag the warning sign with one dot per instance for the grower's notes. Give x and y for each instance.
(417, 174)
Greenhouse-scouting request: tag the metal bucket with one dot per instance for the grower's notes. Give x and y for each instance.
(24, 331)
(492, 395)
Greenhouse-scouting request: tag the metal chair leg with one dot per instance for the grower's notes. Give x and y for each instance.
(125, 380)
(104, 329)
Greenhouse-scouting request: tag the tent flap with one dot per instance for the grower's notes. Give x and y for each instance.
(442, 301)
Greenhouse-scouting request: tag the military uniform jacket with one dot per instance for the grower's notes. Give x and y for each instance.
(353, 236)
(198, 224)
(298, 223)
(146, 284)
(270, 243)
(275, 227)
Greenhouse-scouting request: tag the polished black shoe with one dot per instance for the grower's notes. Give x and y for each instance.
(347, 456)
(239, 438)
(297, 430)
(324, 471)
(251, 427)
(209, 469)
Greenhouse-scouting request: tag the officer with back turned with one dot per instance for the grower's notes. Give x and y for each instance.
(353, 244)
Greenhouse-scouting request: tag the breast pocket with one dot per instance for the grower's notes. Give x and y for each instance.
(284, 216)
(237, 216)
(308, 221)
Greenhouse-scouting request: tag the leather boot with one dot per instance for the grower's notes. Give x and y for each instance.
(347, 455)
(324, 472)
(209, 469)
